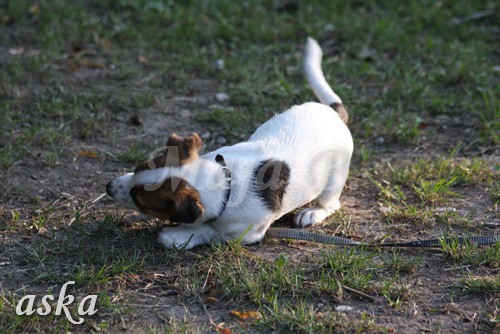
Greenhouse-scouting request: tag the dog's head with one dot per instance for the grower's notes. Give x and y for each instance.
(159, 187)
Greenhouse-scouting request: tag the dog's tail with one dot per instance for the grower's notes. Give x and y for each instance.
(317, 81)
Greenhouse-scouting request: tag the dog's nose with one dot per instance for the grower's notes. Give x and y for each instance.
(109, 189)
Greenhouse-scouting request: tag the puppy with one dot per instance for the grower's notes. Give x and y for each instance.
(236, 192)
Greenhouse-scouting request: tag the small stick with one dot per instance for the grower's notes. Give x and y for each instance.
(206, 280)
(359, 293)
(98, 198)
(206, 312)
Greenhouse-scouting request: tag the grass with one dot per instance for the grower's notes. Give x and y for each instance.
(472, 255)
(423, 191)
(133, 155)
(418, 78)
(489, 285)
(281, 290)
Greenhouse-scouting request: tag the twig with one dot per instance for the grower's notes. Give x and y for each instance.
(146, 79)
(145, 295)
(206, 279)
(473, 16)
(461, 267)
(5, 299)
(359, 293)
(98, 198)
(206, 312)
(148, 305)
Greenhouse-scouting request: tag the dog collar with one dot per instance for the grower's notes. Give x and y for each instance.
(227, 176)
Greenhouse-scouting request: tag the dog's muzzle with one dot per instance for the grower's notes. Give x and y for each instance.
(119, 190)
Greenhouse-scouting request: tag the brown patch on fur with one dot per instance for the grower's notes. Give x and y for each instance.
(271, 180)
(341, 110)
(187, 151)
(173, 201)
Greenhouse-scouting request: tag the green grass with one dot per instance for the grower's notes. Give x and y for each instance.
(423, 191)
(431, 70)
(280, 290)
(472, 255)
(402, 265)
(489, 285)
(133, 155)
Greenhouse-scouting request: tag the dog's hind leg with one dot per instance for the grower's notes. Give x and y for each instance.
(326, 203)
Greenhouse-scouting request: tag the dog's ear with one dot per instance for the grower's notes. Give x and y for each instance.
(174, 200)
(189, 208)
(188, 146)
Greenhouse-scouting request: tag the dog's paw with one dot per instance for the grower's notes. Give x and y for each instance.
(310, 216)
(171, 239)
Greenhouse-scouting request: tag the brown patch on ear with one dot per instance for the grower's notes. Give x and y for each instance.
(188, 146)
(187, 151)
(173, 201)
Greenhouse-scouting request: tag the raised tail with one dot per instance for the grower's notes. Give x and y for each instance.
(317, 81)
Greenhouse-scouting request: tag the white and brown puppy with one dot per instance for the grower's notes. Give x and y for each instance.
(299, 156)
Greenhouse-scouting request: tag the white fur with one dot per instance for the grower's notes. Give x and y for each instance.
(314, 74)
(311, 139)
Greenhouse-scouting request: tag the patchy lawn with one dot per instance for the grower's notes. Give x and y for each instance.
(90, 88)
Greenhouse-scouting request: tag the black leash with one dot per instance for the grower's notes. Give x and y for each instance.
(297, 234)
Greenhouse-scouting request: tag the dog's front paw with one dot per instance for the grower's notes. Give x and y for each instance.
(177, 239)
(310, 216)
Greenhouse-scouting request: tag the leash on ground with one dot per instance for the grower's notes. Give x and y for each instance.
(289, 233)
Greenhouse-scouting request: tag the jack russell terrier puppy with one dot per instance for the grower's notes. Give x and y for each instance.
(236, 192)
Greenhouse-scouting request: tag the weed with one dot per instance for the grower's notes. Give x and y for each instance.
(402, 132)
(302, 317)
(447, 171)
(481, 284)
(8, 157)
(133, 155)
(231, 119)
(346, 267)
(407, 213)
(471, 254)
(260, 281)
(486, 256)
(433, 191)
(450, 217)
(396, 291)
(490, 118)
(456, 251)
(401, 265)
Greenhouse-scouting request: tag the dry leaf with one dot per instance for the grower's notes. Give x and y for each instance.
(35, 9)
(210, 299)
(88, 154)
(221, 329)
(246, 314)
(135, 277)
(42, 231)
(91, 64)
(142, 59)
(16, 51)
(71, 65)
(67, 195)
